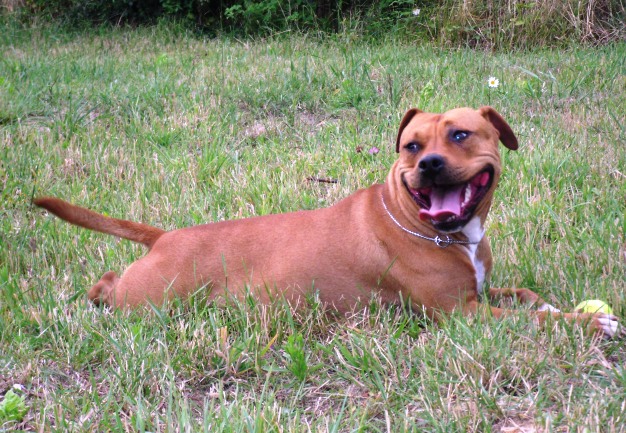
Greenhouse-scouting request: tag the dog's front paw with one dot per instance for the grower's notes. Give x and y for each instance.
(606, 324)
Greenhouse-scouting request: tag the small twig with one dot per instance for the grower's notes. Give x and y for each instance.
(321, 180)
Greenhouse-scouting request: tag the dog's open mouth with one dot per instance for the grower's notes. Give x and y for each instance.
(450, 207)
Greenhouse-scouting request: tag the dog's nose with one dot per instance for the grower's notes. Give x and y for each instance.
(431, 165)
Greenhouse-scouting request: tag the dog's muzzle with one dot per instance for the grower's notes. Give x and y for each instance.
(450, 206)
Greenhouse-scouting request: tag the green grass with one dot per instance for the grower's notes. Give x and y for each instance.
(171, 130)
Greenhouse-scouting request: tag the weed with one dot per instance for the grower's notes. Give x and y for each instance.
(296, 356)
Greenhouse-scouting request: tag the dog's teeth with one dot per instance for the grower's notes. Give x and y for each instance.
(468, 194)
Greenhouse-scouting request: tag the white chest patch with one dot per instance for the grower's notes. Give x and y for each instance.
(475, 232)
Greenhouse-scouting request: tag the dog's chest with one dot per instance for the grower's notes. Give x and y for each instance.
(475, 232)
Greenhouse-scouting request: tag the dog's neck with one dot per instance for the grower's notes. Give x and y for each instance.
(474, 230)
(406, 213)
(474, 233)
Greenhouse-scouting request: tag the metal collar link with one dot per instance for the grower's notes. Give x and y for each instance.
(441, 242)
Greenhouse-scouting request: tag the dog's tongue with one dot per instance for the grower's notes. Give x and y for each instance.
(444, 203)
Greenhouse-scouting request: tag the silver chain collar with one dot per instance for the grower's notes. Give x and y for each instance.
(441, 242)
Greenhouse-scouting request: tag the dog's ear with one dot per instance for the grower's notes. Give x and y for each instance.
(507, 136)
(405, 121)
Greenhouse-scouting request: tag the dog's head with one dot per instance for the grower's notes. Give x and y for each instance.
(449, 163)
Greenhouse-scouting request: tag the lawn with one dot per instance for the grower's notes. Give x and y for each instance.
(172, 129)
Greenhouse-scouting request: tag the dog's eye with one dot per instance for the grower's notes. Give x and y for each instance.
(459, 136)
(413, 146)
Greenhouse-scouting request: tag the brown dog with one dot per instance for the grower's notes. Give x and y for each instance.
(419, 236)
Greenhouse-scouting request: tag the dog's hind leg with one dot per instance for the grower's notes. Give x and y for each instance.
(146, 281)
(102, 291)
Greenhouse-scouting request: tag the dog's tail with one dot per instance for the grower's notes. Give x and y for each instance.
(136, 232)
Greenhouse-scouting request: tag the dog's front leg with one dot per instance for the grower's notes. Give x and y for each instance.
(596, 323)
(525, 296)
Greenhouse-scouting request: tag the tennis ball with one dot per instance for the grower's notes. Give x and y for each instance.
(594, 306)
